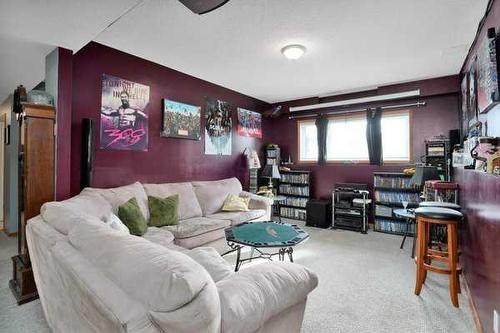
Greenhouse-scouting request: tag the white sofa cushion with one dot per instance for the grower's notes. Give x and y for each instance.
(212, 261)
(114, 222)
(162, 279)
(238, 217)
(159, 236)
(188, 203)
(83, 208)
(212, 194)
(117, 196)
(257, 293)
(196, 226)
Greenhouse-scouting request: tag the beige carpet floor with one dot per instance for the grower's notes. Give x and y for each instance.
(366, 285)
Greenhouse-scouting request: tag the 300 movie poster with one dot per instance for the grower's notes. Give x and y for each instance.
(124, 119)
(249, 123)
(181, 120)
(218, 128)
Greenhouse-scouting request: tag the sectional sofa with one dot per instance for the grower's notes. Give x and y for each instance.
(92, 278)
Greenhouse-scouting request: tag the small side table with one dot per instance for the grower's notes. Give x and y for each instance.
(409, 215)
(277, 200)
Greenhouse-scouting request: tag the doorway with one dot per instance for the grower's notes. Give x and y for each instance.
(3, 129)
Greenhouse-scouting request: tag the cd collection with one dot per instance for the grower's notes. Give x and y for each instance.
(392, 182)
(294, 190)
(298, 202)
(302, 178)
(293, 213)
(396, 197)
(393, 226)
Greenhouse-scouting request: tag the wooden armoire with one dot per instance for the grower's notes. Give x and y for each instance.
(36, 186)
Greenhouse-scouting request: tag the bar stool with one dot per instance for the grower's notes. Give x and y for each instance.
(449, 205)
(427, 216)
(439, 233)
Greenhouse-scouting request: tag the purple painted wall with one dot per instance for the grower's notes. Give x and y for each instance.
(167, 160)
(64, 114)
(480, 197)
(438, 117)
(480, 240)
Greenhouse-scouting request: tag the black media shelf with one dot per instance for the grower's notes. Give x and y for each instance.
(292, 206)
(297, 181)
(393, 233)
(395, 189)
(397, 204)
(294, 184)
(293, 195)
(395, 218)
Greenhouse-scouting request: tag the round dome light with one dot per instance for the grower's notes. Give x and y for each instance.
(293, 52)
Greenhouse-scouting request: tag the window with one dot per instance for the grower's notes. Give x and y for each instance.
(308, 144)
(396, 136)
(346, 139)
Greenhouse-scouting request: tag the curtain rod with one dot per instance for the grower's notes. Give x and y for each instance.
(390, 107)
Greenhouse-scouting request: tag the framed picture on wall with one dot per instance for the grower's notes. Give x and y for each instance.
(464, 97)
(124, 114)
(218, 127)
(487, 75)
(249, 123)
(472, 114)
(181, 120)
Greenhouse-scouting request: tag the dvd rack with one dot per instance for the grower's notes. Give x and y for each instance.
(390, 190)
(294, 185)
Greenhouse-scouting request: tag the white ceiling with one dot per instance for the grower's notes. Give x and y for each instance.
(351, 43)
(29, 30)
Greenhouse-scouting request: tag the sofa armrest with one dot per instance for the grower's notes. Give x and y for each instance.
(257, 293)
(91, 300)
(258, 202)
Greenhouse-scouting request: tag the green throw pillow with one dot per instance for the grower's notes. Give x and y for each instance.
(131, 215)
(163, 211)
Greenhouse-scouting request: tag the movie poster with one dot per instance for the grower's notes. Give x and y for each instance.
(249, 123)
(464, 96)
(124, 119)
(181, 120)
(218, 128)
(487, 78)
(472, 115)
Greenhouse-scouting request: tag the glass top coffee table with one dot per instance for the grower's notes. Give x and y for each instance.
(260, 235)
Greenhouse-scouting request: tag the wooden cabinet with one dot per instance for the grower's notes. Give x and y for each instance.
(36, 186)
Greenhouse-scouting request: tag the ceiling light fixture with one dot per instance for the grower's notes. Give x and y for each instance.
(293, 52)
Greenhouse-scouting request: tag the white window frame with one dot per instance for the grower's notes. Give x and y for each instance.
(361, 161)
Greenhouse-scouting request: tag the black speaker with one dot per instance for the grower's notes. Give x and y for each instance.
(454, 136)
(87, 152)
(319, 213)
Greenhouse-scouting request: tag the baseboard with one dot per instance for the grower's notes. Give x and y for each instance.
(10, 234)
(475, 314)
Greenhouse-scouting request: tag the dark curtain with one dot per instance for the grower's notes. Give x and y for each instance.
(322, 129)
(374, 135)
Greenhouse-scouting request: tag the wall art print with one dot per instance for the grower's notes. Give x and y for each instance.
(124, 118)
(464, 96)
(472, 114)
(181, 120)
(249, 123)
(487, 76)
(218, 128)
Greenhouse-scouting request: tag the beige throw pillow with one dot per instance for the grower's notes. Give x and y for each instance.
(234, 203)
